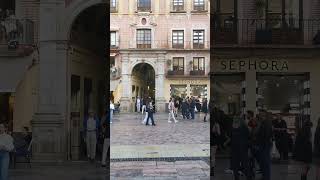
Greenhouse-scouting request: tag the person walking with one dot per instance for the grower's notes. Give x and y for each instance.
(239, 147)
(185, 109)
(264, 144)
(150, 111)
(171, 109)
(111, 111)
(144, 106)
(138, 104)
(316, 150)
(214, 141)
(106, 144)
(281, 137)
(192, 107)
(303, 148)
(6, 146)
(91, 125)
(176, 107)
(205, 109)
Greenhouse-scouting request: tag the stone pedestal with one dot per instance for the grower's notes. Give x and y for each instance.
(161, 104)
(125, 104)
(48, 138)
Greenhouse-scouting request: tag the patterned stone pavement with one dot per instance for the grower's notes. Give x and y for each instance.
(128, 130)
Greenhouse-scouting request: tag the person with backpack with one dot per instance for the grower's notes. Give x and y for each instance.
(171, 111)
(150, 111)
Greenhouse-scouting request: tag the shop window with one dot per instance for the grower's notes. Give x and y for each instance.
(178, 5)
(144, 5)
(178, 91)
(178, 64)
(143, 38)
(199, 91)
(198, 64)
(198, 39)
(178, 39)
(199, 5)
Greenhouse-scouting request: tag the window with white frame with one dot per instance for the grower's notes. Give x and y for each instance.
(198, 39)
(177, 5)
(178, 64)
(177, 39)
(144, 5)
(198, 64)
(113, 39)
(113, 6)
(199, 5)
(144, 38)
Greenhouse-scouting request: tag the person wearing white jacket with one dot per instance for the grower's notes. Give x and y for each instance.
(6, 146)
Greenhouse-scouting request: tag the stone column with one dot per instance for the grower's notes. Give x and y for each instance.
(126, 85)
(48, 123)
(160, 99)
(251, 90)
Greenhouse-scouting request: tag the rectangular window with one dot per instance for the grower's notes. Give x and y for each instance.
(143, 38)
(198, 39)
(198, 64)
(199, 91)
(178, 5)
(178, 39)
(198, 5)
(113, 39)
(178, 64)
(144, 5)
(113, 6)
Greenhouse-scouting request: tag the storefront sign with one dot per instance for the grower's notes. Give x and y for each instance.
(257, 65)
(198, 82)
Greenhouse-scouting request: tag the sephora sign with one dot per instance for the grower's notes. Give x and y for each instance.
(255, 65)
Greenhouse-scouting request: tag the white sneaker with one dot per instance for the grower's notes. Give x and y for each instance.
(228, 171)
(176, 121)
(169, 121)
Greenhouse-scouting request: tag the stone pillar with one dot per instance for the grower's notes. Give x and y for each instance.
(251, 90)
(160, 99)
(48, 123)
(126, 84)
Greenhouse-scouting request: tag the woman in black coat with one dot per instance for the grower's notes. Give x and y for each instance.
(303, 148)
(205, 109)
(316, 150)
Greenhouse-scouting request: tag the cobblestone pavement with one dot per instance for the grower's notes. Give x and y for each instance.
(128, 130)
(160, 170)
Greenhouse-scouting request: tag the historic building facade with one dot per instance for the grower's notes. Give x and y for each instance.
(52, 64)
(266, 56)
(159, 49)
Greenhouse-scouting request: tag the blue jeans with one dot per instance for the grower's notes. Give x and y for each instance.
(4, 165)
(192, 113)
(111, 115)
(265, 160)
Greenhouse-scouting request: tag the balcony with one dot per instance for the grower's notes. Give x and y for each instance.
(164, 45)
(197, 73)
(175, 72)
(16, 31)
(257, 32)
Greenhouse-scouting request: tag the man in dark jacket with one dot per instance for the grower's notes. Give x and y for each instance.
(185, 108)
(264, 143)
(192, 107)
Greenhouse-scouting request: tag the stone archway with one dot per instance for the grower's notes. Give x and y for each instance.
(156, 60)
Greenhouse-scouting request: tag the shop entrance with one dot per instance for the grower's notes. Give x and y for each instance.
(143, 83)
(88, 77)
(287, 94)
(6, 111)
(229, 93)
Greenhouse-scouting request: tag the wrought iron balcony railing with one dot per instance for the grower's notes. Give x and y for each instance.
(175, 72)
(161, 44)
(265, 32)
(16, 32)
(197, 73)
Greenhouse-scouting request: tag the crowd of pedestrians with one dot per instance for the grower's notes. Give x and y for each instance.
(252, 138)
